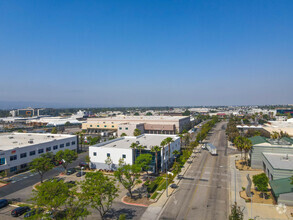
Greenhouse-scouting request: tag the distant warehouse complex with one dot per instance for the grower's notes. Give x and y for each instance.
(146, 124)
(17, 150)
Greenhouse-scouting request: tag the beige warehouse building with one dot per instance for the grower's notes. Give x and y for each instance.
(147, 124)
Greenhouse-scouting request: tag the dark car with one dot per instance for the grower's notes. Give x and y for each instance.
(79, 174)
(19, 211)
(33, 212)
(70, 171)
(70, 184)
(83, 164)
(3, 203)
(174, 186)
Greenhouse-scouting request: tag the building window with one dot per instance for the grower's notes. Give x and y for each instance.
(22, 166)
(14, 157)
(91, 126)
(48, 149)
(40, 151)
(67, 144)
(108, 154)
(22, 155)
(126, 128)
(95, 153)
(105, 126)
(98, 126)
(120, 128)
(73, 143)
(55, 147)
(61, 145)
(112, 126)
(32, 153)
(13, 169)
(2, 161)
(123, 156)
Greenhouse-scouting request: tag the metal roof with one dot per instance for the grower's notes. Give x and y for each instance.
(281, 186)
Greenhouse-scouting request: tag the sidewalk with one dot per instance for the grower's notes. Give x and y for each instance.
(259, 210)
(154, 210)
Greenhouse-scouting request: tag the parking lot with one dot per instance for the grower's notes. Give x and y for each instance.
(5, 213)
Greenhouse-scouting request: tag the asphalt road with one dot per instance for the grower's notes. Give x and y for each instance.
(29, 180)
(203, 192)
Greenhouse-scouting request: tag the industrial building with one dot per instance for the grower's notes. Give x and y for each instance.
(283, 190)
(277, 166)
(147, 124)
(120, 149)
(262, 145)
(17, 150)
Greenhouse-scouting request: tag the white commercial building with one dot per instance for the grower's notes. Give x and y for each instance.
(17, 150)
(120, 148)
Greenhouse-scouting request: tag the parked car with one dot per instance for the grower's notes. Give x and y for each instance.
(84, 164)
(80, 173)
(3, 203)
(70, 184)
(174, 186)
(70, 171)
(19, 211)
(33, 212)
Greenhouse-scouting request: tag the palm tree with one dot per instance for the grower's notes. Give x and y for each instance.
(156, 149)
(181, 138)
(140, 147)
(246, 147)
(134, 147)
(163, 144)
(239, 143)
(275, 135)
(169, 140)
(176, 153)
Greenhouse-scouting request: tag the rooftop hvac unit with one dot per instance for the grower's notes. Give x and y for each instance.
(137, 142)
(286, 157)
(10, 137)
(31, 141)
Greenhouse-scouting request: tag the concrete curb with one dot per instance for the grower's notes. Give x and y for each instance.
(5, 185)
(134, 204)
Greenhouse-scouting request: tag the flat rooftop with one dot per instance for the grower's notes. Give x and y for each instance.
(280, 161)
(140, 118)
(14, 140)
(147, 140)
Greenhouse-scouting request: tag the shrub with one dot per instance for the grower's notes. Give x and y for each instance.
(152, 187)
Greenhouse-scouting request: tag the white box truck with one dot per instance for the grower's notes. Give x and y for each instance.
(211, 148)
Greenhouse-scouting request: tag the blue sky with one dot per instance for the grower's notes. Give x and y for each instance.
(146, 53)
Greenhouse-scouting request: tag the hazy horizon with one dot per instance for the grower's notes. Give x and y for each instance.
(145, 53)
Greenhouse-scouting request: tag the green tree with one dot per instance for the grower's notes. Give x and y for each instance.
(246, 147)
(261, 181)
(67, 124)
(275, 135)
(288, 114)
(134, 146)
(140, 148)
(186, 113)
(144, 161)
(239, 143)
(67, 157)
(136, 132)
(163, 144)
(168, 141)
(99, 191)
(175, 153)
(149, 114)
(136, 114)
(236, 213)
(109, 162)
(54, 130)
(121, 162)
(128, 176)
(41, 165)
(51, 194)
(291, 178)
(156, 149)
(123, 134)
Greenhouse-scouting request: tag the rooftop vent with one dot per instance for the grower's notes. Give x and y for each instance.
(286, 157)
(14, 142)
(10, 137)
(31, 141)
(137, 142)
(114, 145)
